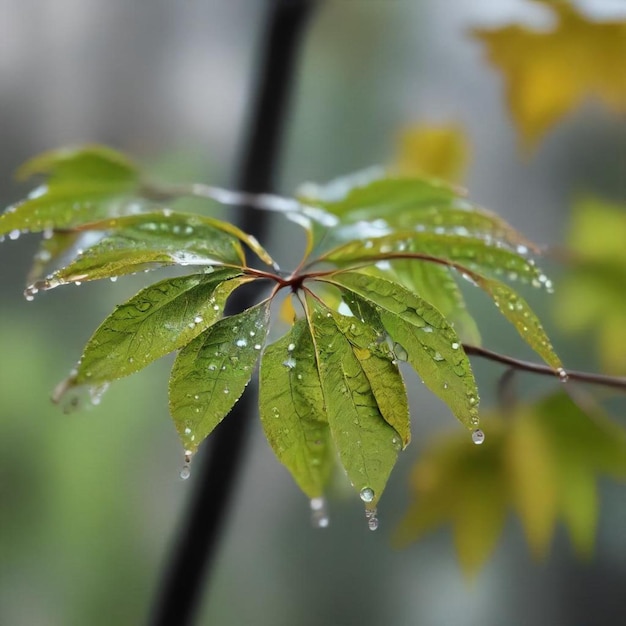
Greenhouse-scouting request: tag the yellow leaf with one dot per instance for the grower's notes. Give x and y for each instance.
(533, 482)
(439, 151)
(461, 484)
(549, 73)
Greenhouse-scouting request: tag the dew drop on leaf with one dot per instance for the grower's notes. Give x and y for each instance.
(562, 375)
(367, 494)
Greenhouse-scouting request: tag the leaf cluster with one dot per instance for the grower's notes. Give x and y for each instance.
(541, 461)
(377, 285)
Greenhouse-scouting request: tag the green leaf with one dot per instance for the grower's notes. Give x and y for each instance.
(83, 184)
(470, 253)
(519, 313)
(51, 250)
(66, 206)
(591, 298)
(431, 345)
(148, 241)
(435, 284)
(291, 406)
(367, 445)
(376, 193)
(89, 162)
(158, 320)
(380, 365)
(391, 202)
(211, 373)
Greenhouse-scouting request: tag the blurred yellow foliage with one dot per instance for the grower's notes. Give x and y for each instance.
(548, 73)
(439, 151)
(539, 460)
(592, 295)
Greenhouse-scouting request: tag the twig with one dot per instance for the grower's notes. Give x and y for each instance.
(615, 382)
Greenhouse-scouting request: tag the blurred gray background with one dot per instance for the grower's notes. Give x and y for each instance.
(89, 503)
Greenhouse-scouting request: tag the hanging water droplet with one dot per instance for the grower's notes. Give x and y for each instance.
(367, 494)
(30, 293)
(478, 436)
(15, 234)
(372, 519)
(96, 393)
(319, 515)
(185, 472)
(562, 375)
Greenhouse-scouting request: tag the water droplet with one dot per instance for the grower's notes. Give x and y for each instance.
(185, 473)
(319, 515)
(30, 293)
(367, 494)
(291, 347)
(113, 279)
(96, 393)
(14, 234)
(455, 346)
(400, 352)
(478, 436)
(241, 343)
(372, 519)
(290, 363)
(226, 390)
(198, 319)
(257, 346)
(427, 329)
(562, 375)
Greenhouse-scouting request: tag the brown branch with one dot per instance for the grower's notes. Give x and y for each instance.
(615, 382)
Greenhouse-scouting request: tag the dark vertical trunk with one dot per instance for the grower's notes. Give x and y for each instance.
(197, 546)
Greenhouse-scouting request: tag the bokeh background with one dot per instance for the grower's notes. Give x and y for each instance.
(90, 503)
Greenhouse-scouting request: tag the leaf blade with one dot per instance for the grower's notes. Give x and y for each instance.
(211, 373)
(364, 440)
(433, 347)
(291, 406)
(161, 318)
